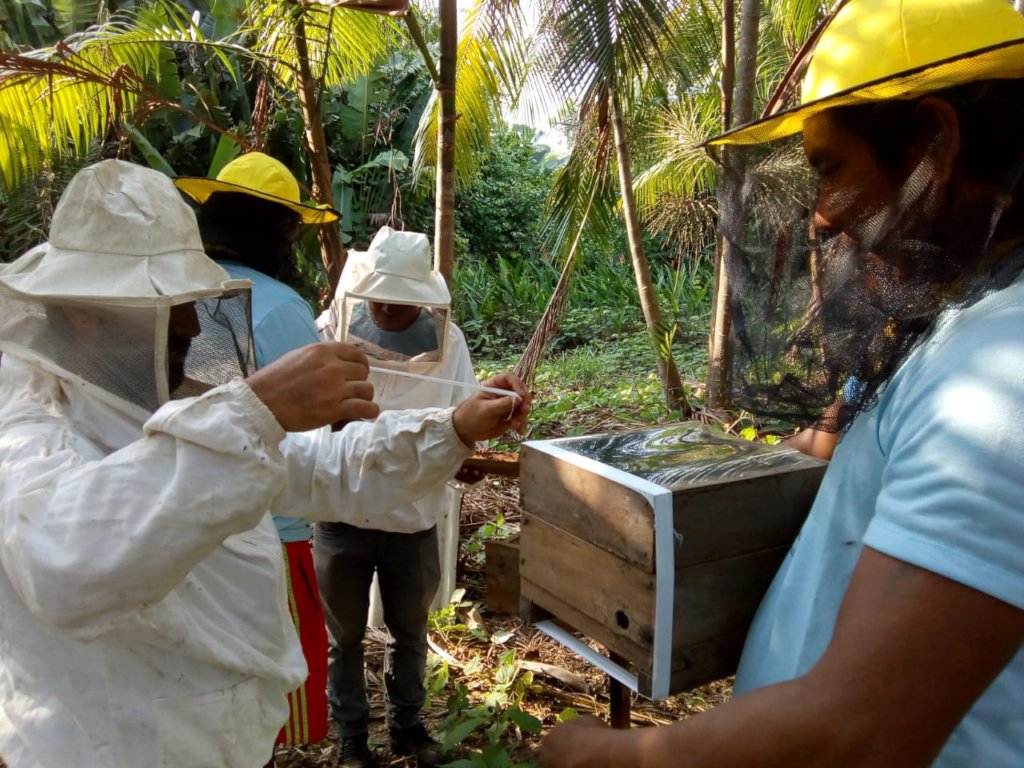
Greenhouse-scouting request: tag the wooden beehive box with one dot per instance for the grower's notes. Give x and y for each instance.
(659, 544)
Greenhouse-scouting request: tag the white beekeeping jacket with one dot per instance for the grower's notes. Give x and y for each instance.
(393, 392)
(142, 611)
(143, 619)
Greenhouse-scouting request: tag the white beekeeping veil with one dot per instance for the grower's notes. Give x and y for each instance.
(122, 299)
(378, 295)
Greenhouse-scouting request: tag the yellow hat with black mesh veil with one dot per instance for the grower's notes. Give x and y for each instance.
(878, 50)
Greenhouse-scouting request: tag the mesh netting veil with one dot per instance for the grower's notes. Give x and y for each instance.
(825, 308)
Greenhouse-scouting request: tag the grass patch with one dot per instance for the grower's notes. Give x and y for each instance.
(610, 383)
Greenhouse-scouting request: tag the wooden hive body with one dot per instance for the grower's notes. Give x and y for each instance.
(662, 559)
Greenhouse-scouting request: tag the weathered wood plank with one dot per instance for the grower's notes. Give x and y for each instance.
(587, 558)
(701, 663)
(536, 603)
(596, 592)
(721, 597)
(501, 575)
(726, 519)
(604, 513)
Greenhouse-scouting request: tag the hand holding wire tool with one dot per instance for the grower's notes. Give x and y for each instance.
(316, 385)
(488, 414)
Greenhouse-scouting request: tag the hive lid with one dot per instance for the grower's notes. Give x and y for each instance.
(681, 456)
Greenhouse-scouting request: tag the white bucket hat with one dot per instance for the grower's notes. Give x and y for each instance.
(399, 265)
(151, 250)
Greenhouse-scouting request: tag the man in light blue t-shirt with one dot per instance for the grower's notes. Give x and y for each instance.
(892, 634)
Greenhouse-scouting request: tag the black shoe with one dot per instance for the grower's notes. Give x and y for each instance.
(414, 740)
(353, 752)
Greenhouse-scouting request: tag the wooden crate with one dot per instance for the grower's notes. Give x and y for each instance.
(501, 571)
(659, 544)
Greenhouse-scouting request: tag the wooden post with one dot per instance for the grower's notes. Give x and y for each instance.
(621, 703)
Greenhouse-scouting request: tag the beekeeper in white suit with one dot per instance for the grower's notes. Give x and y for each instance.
(394, 307)
(142, 613)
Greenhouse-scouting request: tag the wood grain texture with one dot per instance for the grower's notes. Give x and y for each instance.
(597, 510)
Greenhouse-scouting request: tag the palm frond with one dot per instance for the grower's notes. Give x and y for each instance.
(689, 225)
(588, 44)
(493, 62)
(695, 46)
(343, 44)
(58, 101)
(795, 20)
(683, 167)
(573, 197)
(74, 15)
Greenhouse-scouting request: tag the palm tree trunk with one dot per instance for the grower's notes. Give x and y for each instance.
(728, 60)
(732, 217)
(261, 115)
(332, 252)
(718, 336)
(444, 210)
(667, 372)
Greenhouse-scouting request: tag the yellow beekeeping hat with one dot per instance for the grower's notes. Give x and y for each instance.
(878, 50)
(262, 176)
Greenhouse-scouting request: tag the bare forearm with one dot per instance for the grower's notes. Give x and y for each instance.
(784, 725)
(777, 726)
(813, 442)
(910, 653)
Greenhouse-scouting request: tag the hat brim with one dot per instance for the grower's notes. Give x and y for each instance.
(395, 289)
(46, 273)
(200, 189)
(1004, 61)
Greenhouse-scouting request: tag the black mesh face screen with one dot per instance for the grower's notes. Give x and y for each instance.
(850, 252)
(223, 350)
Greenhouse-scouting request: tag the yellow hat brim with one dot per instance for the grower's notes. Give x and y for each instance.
(999, 62)
(200, 189)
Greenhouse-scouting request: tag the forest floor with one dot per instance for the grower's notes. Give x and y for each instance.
(471, 659)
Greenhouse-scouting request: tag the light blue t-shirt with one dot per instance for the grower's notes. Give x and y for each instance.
(933, 475)
(281, 321)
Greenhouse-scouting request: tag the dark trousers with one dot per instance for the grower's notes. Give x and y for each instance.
(408, 572)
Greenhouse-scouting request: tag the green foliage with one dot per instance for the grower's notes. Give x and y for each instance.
(611, 382)
(497, 304)
(25, 211)
(61, 101)
(499, 214)
(457, 621)
(27, 25)
(473, 545)
(370, 126)
(493, 720)
(601, 361)
(566, 715)
(481, 724)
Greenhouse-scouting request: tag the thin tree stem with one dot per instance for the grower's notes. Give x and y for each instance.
(667, 372)
(444, 216)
